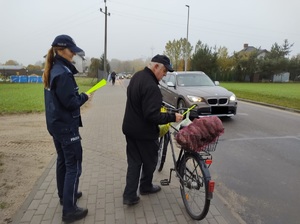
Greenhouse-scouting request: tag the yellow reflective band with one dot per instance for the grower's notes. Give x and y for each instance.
(97, 86)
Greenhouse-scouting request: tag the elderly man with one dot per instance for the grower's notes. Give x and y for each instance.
(140, 127)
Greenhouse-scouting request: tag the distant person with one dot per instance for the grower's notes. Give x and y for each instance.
(113, 77)
(62, 106)
(140, 127)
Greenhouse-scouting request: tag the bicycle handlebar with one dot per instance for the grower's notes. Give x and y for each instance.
(173, 109)
(188, 110)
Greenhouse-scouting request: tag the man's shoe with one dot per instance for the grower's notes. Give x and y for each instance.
(78, 195)
(78, 214)
(131, 201)
(154, 189)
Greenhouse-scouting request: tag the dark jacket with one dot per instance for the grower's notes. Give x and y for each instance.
(62, 100)
(142, 113)
(113, 75)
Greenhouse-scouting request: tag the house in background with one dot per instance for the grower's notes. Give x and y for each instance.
(245, 52)
(249, 49)
(8, 70)
(79, 63)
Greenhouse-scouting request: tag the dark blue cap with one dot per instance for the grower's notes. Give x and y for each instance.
(68, 42)
(163, 59)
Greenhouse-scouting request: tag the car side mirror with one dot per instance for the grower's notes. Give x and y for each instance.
(170, 84)
(217, 83)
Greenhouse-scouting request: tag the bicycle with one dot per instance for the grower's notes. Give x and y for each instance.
(165, 137)
(192, 169)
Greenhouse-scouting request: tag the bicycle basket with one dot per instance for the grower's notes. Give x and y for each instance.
(211, 147)
(201, 134)
(196, 143)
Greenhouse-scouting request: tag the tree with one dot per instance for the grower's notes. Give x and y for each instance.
(246, 65)
(276, 60)
(173, 51)
(294, 68)
(176, 50)
(204, 59)
(102, 64)
(94, 67)
(225, 65)
(34, 69)
(278, 51)
(186, 51)
(286, 47)
(276, 66)
(11, 62)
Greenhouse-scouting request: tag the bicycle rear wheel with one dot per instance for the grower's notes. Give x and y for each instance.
(162, 151)
(194, 186)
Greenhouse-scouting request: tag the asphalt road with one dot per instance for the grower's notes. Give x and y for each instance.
(257, 164)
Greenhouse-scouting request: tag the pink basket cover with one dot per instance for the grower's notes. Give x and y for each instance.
(200, 133)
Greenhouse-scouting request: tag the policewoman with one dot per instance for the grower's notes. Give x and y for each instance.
(62, 106)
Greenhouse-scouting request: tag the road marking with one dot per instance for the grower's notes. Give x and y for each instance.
(244, 114)
(260, 138)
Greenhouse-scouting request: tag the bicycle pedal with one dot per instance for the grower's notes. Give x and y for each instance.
(164, 182)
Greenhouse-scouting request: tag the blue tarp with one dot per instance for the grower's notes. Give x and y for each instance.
(25, 79)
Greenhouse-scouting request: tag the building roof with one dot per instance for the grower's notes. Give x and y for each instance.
(11, 67)
(249, 49)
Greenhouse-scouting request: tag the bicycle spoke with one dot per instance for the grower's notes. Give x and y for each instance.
(193, 188)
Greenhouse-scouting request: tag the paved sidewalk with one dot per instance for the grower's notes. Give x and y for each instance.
(103, 178)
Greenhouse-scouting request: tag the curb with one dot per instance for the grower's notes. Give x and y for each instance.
(271, 105)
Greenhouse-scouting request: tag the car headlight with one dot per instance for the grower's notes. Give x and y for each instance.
(195, 99)
(232, 98)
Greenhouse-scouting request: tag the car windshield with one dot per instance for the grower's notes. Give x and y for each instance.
(194, 80)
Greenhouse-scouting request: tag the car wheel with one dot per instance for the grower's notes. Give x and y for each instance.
(181, 104)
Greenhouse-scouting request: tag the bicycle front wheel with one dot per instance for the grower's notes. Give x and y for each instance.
(162, 151)
(194, 186)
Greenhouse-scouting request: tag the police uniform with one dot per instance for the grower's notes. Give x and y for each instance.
(62, 106)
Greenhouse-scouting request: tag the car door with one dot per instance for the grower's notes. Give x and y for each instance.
(169, 95)
(163, 87)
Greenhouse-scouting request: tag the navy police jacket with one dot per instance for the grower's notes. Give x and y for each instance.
(142, 112)
(62, 100)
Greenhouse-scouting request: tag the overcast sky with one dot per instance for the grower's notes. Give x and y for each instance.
(141, 28)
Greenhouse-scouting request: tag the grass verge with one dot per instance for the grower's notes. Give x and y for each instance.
(280, 94)
(29, 97)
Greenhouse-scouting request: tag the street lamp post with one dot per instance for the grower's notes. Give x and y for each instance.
(187, 39)
(105, 39)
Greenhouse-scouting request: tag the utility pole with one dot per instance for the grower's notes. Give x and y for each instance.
(187, 39)
(105, 39)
